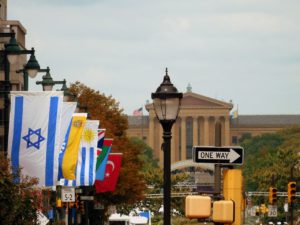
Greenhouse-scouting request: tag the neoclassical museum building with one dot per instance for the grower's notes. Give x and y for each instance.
(202, 121)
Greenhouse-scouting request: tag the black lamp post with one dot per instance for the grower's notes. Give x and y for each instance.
(68, 96)
(9, 56)
(26, 75)
(166, 102)
(47, 81)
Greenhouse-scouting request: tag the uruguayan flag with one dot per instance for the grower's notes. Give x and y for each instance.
(33, 142)
(87, 156)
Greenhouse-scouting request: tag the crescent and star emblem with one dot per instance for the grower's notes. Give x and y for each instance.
(112, 166)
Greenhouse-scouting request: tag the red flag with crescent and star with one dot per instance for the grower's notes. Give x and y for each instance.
(111, 174)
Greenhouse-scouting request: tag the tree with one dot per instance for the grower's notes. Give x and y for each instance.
(153, 176)
(269, 159)
(272, 160)
(131, 186)
(20, 201)
(103, 108)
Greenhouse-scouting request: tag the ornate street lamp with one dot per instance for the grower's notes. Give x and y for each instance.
(68, 96)
(10, 55)
(48, 82)
(11, 48)
(32, 67)
(12, 51)
(166, 102)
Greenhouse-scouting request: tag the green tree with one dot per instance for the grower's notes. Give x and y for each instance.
(20, 201)
(272, 160)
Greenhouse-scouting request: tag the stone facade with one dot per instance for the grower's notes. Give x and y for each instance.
(203, 121)
(16, 79)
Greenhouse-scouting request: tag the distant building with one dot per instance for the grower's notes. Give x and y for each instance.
(203, 121)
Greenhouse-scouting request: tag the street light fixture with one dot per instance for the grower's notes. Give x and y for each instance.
(12, 51)
(26, 75)
(68, 96)
(166, 102)
(47, 81)
(11, 48)
(10, 56)
(32, 67)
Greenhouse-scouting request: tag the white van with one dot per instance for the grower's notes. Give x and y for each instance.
(138, 220)
(118, 219)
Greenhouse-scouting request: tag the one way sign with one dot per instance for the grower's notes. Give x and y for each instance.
(222, 155)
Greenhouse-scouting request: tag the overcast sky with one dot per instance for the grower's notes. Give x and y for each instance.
(244, 50)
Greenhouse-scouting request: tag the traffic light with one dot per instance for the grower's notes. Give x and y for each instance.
(223, 211)
(291, 191)
(233, 190)
(272, 195)
(197, 206)
(257, 211)
(58, 203)
(77, 201)
(263, 209)
(81, 207)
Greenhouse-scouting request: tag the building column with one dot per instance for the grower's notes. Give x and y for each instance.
(206, 131)
(160, 150)
(183, 138)
(151, 132)
(173, 143)
(212, 131)
(227, 131)
(195, 131)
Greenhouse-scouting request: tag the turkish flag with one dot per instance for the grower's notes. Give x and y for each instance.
(111, 174)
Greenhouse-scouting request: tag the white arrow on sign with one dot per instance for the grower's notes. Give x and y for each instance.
(210, 155)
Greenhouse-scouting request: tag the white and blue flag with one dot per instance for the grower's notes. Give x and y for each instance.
(68, 109)
(33, 142)
(87, 156)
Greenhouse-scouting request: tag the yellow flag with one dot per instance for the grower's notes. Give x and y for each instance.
(235, 114)
(71, 153)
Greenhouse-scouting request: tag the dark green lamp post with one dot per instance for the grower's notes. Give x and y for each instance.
(11, 48)
(68, 96)
(47, 81)
(32, 67)
(10, 55)
(166, 102)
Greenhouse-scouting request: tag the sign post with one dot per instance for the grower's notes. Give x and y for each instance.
(272, 211)
(218, 155)
(68, 194)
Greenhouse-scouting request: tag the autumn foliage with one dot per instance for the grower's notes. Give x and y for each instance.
(131, 185)
(19, 202)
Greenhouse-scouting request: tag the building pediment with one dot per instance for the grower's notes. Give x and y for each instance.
(194, 100)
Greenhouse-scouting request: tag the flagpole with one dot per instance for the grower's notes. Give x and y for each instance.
(142, 121)
(237, 109)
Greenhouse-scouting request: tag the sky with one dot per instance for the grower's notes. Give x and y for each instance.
(246, 51)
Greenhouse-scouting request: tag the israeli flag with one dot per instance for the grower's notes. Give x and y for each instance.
(33, 142)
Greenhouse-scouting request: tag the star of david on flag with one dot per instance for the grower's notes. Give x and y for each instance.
(35, 140)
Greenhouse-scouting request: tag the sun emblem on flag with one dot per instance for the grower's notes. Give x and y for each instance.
(88, 135)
